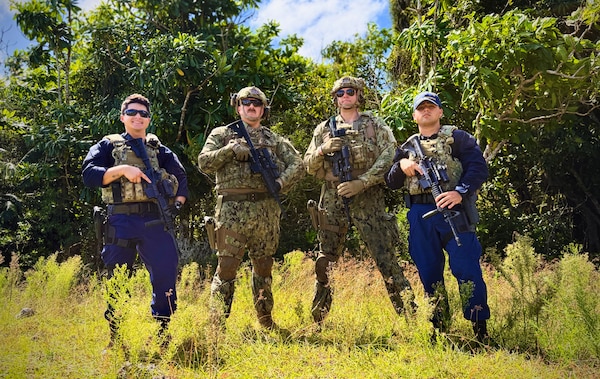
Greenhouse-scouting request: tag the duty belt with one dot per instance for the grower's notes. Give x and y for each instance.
(253, 196)
(132, 208)
(422, 198)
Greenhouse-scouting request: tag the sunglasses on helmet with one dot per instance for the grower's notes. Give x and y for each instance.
(348, 91)
(133, 112)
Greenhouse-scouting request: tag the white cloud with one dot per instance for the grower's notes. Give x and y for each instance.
(319, 22)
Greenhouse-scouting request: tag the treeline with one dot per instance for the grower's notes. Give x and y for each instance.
(523, 79)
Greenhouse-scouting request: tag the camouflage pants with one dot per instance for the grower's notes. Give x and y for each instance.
(242, 225)
(377, 229)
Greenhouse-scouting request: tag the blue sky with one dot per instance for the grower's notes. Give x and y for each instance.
(318, 22)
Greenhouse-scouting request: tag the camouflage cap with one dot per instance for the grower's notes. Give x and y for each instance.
(348, 82)
(253, 92)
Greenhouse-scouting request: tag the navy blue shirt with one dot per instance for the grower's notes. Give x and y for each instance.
(464, 148)
(99, 159)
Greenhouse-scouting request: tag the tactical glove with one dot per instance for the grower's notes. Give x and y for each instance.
(351, 188)
(240, 149)
(331, 145)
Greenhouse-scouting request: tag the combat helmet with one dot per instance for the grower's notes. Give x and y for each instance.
(349, 82)
(247, 92)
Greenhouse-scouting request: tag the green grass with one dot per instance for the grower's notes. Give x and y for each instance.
(361, 338)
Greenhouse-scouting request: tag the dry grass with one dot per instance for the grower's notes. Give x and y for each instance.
(361, 338)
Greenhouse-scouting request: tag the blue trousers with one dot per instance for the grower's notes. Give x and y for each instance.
(426, 245)
(156, 249)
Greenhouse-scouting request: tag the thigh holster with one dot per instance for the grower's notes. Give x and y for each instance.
(318, 218)
(223, 244)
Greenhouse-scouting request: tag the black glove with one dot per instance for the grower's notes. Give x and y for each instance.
(277, 186)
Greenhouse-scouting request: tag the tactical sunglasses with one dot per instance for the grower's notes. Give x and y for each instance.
(255, 102)
(133, 112)
(349, 92)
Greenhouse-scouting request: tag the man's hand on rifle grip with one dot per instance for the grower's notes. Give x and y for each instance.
(331, 145)
(410, 168)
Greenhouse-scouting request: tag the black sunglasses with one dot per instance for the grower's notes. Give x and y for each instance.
(133, 112)
(349, 92)
(255, 102)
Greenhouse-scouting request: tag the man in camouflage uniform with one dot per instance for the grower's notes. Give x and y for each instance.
(246, 215)
(371, 145)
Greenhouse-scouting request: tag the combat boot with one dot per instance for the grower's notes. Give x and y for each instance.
(221, 293)
(263, 300)
(481, 333)
(321, 302)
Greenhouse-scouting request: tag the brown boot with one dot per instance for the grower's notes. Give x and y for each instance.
(263, 300)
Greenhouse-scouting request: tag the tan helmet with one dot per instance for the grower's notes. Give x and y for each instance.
(348, 82)
(247, 92)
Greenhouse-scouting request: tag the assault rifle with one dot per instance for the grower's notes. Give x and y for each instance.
(261, 162)
(157, 189)
(340, 161)
(434, 174)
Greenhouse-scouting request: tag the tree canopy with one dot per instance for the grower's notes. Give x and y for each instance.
(523, 79)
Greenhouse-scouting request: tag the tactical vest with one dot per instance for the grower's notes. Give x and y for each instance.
(240, 176)
(440, 149)
(124, 191)
(362, 143)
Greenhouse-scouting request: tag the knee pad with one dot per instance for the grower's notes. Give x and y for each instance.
(227, 268)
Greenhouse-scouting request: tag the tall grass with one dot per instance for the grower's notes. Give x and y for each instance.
(362, 337)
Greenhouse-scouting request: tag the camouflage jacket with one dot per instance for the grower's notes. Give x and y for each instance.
(232, 174)
(372, 149)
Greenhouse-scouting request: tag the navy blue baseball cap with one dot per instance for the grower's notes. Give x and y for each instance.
(427, 96)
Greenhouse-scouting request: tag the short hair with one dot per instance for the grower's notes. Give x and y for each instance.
(135, 98)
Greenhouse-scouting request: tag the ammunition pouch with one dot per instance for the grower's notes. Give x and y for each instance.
(209, 225)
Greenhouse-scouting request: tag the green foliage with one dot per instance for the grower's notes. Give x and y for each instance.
(362, 337)
(573, 313)
(520, 79)
(529, 290)
(54, 279)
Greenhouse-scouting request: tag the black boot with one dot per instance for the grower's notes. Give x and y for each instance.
(481, 333)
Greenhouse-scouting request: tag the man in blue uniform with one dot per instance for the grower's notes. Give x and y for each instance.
(456, 153)
(133, 218)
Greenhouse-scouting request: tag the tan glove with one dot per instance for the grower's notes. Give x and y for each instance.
(351, 188)
(331, 145)
(240, 149)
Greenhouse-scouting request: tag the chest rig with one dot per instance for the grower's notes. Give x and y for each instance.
(361, 139)
(124, 191)
(440, 149)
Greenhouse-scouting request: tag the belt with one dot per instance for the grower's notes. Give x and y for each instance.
(254, 196)
(422, 198)
(132, 208)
